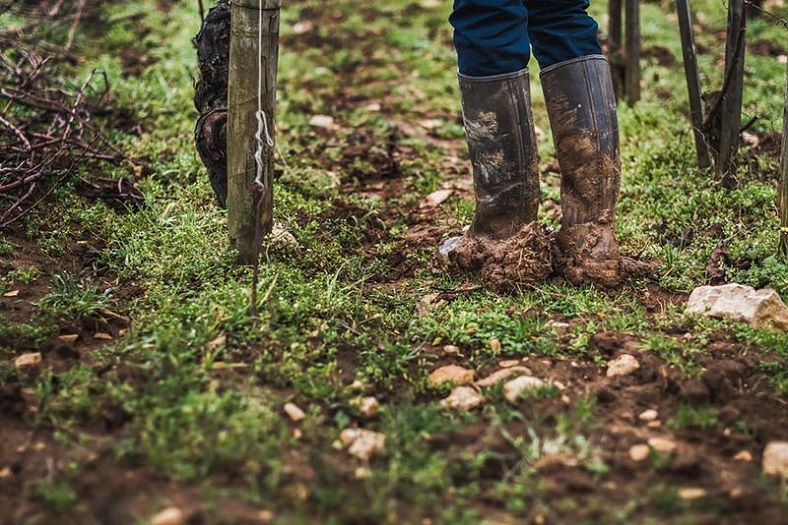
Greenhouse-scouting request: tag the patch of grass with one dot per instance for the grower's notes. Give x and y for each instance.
(56, 495)
(697, 417)
(73, 299)
(336, 320)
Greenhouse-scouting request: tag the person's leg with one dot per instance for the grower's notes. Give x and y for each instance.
(581, 106)
(490, 36)
(561, 30)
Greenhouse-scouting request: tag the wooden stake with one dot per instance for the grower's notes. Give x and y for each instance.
(632, 80)
(615, 46)
(246, 201)
(784, 178)
(732, 92)
(693, 81)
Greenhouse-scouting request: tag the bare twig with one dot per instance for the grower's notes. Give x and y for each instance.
(50, 133)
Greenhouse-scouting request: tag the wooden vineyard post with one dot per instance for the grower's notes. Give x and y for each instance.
(632, 79)
(732, 90)
(254, 57)
(693, 81)
(615, 46)
(625, 52)
(784, 178)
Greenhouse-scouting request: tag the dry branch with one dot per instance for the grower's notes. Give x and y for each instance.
(46, 131)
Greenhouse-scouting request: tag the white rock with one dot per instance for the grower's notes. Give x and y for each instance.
(501, 375)
(451, 350)
(451, 374)
(294, 412)
(775, 459)
(362, 443)
(321, 121)
(436, 198)
(639, 453)
(302, 27)
(744, 455)
(169, 516)
(463, 398)
(369, 406)
(622, 365)
(690, 493)
(28, 360)
(279, 235)
(513, 389)
(740, 303)
(662, 445)
(648, 415)
(509, 363)
(428, 303)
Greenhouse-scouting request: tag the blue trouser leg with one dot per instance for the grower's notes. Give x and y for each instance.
(491, 36)
(561, 30)
(494, 37)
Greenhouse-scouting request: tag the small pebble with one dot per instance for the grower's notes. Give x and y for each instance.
(622, 365)
(321, 121)
(169, 516)
(28, 360)
(639, 453)
(369, 406)
(362, 443)
(451, 350)
(775, 459)
(691, 493)
(513, 389)
(662, 445)
(294, 412)
(463, 398)
(451, 374)
(648, 415)
(744, 455)
(502, 375)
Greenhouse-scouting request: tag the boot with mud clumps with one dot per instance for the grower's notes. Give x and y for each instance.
(210, 97)
(581, 106)
(504, 244)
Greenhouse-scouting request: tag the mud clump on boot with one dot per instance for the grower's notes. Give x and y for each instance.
(521, 260)
(588, 253)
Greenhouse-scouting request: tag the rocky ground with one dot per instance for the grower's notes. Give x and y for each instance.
(374, 387)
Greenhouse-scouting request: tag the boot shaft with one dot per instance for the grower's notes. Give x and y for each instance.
(581, 106)
(502, 145)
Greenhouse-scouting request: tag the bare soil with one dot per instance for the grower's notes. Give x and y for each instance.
(722, 461)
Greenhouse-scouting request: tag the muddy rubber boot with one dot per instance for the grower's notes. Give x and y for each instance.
(504, 242)
(581, 106)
